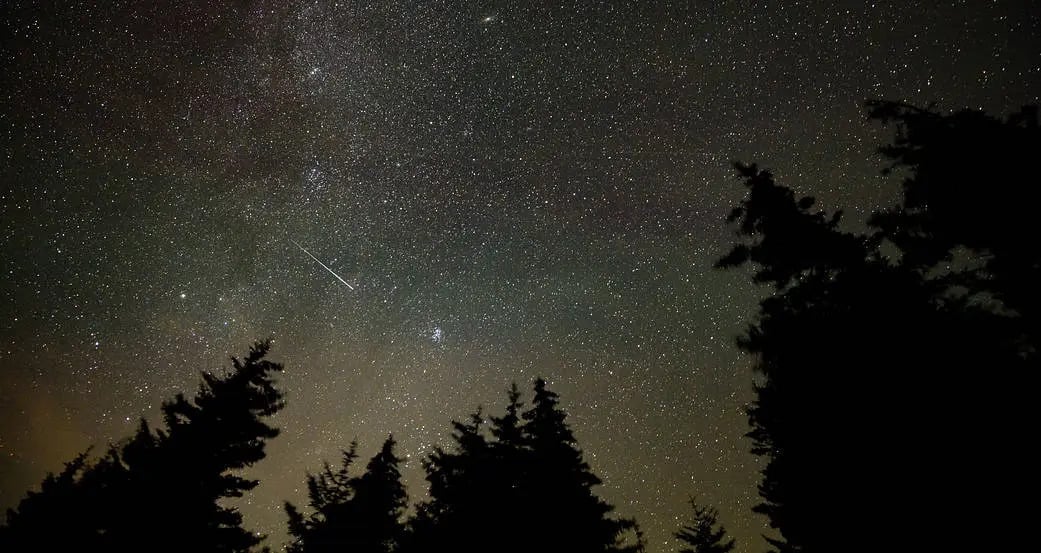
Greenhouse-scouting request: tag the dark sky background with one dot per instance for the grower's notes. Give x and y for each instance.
(512, 189)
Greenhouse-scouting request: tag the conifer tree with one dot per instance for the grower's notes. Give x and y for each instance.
(512, 463)
(704, 534)
(560, 484)
(507, 429)
(162, 490)
(458, 516)
(358, 514)
(327, 492)
(379, 503)
(872, 347)
(526, 488)
(56, 517)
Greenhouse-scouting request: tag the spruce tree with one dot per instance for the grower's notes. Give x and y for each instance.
(327, 493)
(507, 429)
(524, 488)
(57, 517)
(458, 515)
(379, 503)
(570, 517)
(704, 534)
(512, 464)
(876, 351)
(358, 514)
(162, 491)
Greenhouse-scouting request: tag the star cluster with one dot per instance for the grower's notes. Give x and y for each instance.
(512, 189)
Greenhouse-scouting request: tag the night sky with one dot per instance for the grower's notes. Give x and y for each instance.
(498, 192)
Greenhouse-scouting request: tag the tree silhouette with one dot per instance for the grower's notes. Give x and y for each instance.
(967, 188)
(704, 534)
(362, 514)
(55, 518)
(459, 514)
(560, 484)
(867, 361)
(524, 488)
(162, 490)
(327, 492)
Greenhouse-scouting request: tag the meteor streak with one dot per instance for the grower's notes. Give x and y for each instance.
(324, 266)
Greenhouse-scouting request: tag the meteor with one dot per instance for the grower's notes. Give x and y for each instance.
(324, 266)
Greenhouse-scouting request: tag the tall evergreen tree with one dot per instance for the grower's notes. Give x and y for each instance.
(379, 502)
(57, 517)
(511, 462)
(561, 484)
(965, 205)
(868, 360)
(458, 515)
(526, 488)
(327, 492)
(507, 429)
(353, 514)
(162, 490)
(704, 534)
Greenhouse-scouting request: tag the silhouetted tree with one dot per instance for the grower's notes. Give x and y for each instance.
(704, 534)
(511, 464)
(458, 516)
(525, 489)
(868, 362)
(57, 517)
(507, 429)
(161, 491)
(356, 514)
(967, 190)
(560, 484)
(327, 492)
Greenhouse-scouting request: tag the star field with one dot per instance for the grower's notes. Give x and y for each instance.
(511, 190)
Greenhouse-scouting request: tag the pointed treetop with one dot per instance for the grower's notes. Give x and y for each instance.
(704, 534)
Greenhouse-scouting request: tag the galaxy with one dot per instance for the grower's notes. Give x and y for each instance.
(421, 203)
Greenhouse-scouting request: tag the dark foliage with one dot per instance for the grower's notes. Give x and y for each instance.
(968, 186)
(357, 514)
(161, 490)
(704, 534)
(891, 394)
(524, 488)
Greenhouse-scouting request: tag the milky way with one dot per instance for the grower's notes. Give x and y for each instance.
(512, 191)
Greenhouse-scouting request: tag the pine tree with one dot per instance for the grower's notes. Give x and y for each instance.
(507, 429)
(359, 514)
(162, 490)
(512, 464)
(327, 492)
(704, 534)
(524, 489)
(379, 503)
(965, 206)
(871, 346)
(221, 430)
(57, 517)
(458, 516)
(560, 484)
